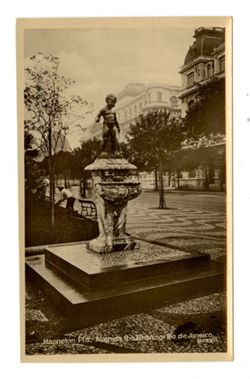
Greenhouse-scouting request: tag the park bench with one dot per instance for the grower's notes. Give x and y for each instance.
(88, 208)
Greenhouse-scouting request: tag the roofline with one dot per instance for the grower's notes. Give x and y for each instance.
(148, 109)
(218, 48)
(218, 29)
(152, 85)
(188, 92)
(169, 86)
(201, 58)
(195, 86)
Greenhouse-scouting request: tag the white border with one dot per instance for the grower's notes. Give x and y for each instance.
(9, 237)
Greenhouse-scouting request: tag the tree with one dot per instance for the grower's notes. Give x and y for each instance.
(31, 154)
(209, 156)
(63, 165)
(83, 156)
(205, 126)
(87, 153)
(51, 109)
(152, 140)
(207, 115)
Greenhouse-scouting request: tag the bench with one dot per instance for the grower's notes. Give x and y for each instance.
(88, 208)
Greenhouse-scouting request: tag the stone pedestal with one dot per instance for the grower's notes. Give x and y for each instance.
(115, 182)
(91, 288)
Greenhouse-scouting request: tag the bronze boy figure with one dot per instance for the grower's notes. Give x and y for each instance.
(109, 124)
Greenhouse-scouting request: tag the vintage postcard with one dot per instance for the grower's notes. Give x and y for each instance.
(125, 140)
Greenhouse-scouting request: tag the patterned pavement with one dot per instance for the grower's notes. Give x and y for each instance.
(186, 228)
(193, 221)
(196, 325)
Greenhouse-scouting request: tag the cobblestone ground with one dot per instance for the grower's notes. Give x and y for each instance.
(199, 225)
(196, 325)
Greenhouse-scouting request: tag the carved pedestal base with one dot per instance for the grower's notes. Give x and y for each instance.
(104, 245)
(115, 182)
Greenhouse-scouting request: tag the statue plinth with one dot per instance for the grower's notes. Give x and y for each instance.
(115, 182)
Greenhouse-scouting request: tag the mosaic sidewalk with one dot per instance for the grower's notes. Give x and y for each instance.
(188, 229)
(196, 325)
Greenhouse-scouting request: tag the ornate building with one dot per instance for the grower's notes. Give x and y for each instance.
(135, 99)
(204, 60)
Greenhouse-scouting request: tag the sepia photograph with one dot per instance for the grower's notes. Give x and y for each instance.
(125, 198)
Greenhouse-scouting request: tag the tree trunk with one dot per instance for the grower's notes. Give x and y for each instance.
(169, 178)
(52, 182)
(178, 179)
(156, 179)
(162, 203)
(223, 179)
(206, 183)
(83, 189)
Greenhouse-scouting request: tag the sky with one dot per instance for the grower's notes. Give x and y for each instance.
(103, 60)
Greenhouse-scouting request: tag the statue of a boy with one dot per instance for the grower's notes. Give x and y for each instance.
(110, 123)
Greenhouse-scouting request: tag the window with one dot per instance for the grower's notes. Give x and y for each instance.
(222, 63)
(202, 71)
(140, 105)
(173, 101)
(190, 79)
(159, 96)
(209, 71)
(135, 109)
(125, 115)
(149, 97)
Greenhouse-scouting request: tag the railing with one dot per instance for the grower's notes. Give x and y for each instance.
(88, 208)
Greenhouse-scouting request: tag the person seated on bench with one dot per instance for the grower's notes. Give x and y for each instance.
(66, 194)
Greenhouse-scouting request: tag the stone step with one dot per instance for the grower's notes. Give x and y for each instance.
(95, 271)
(86, 307)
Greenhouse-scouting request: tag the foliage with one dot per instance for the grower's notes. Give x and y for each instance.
(63, 164)
(50, 105)
(204, 126)
(153, 138)
(186, 159)
(51, 109)
(29, 149)
(152, 141)
(31, 154)
(87, 153)
(207, 115)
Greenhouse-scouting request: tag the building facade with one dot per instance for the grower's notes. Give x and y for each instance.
(204, 61)
(136, 99)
